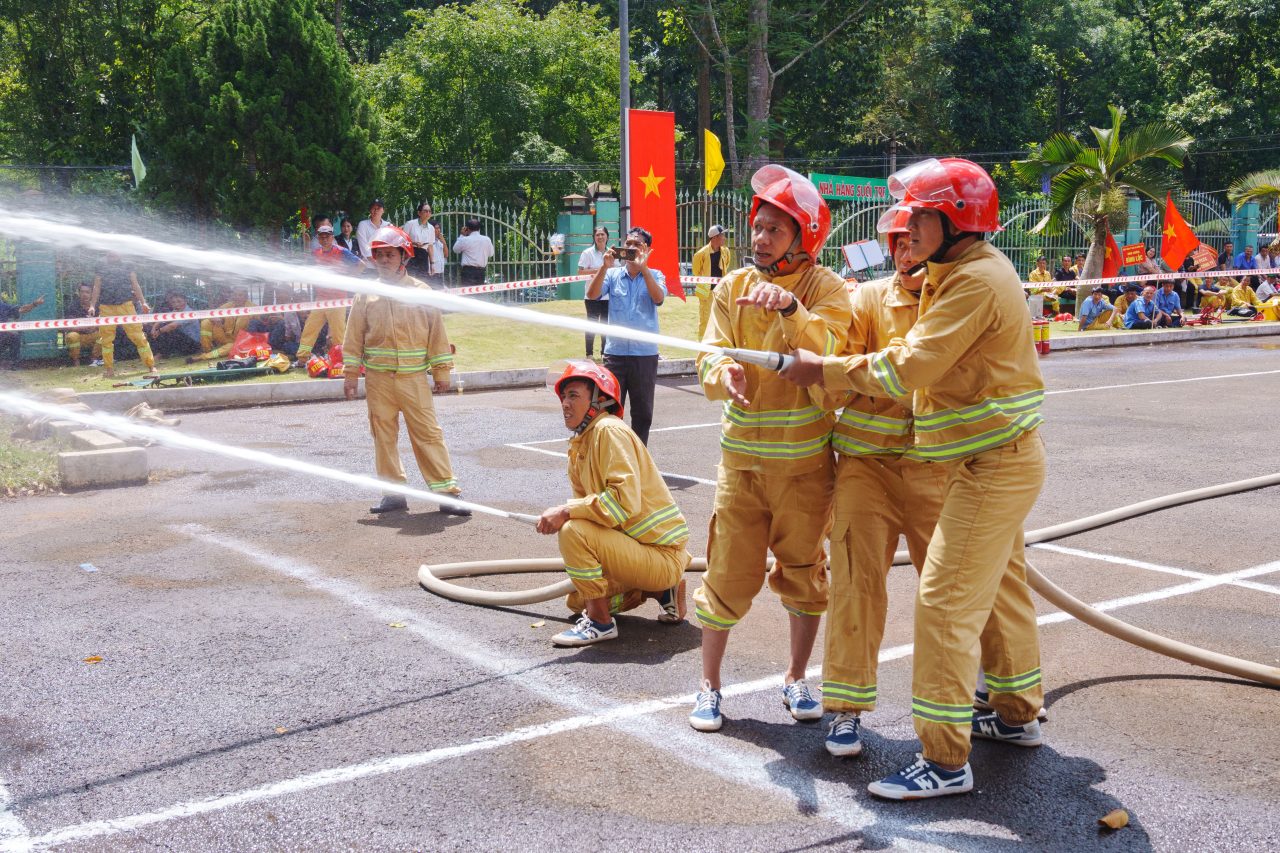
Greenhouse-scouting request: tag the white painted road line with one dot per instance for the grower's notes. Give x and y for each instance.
(1162, 382)
(705, 751)
(559, 455)
(1152, 567)
(12, 830)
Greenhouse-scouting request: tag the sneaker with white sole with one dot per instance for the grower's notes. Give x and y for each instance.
(706, 715)
(672, 602)
(922, 779)
(991, 727)
(800, 701)
(585, 633)
(843, 737)
(982, 702)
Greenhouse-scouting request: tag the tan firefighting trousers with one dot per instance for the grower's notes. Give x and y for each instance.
(392, 394)
(1102, 322)
(754, 514)
(604, 562)
(973, 594)
(75, 341)
(337, 320)
(878, 498)
(107, 336)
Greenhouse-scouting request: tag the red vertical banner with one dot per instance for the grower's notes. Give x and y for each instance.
(651, 189)
(1111, 258)
(1179, 240)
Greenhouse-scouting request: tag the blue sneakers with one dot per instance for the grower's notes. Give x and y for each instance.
(585, 633)
(843, 738)
(706, 710)
(800, 701)
(982, 702)
(921, 780)
(991, 727)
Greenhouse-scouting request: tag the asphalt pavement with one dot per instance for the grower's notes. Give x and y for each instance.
(239, 658)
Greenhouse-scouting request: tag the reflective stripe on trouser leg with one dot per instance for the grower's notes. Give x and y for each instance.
(336, 318)
(390, 395)
(73, 344)
(604, 562)
(986, 501)
(755, 513)
(107, 335)
(1011, 645)
(877, 499)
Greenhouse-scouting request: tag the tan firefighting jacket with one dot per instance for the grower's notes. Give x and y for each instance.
(702, 267)
(875, 425)
(968, 363)
(782, 430)
(392, 336)
(233, 326)
(616, 484)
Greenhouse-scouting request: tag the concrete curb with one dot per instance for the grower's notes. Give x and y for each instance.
(319, 390)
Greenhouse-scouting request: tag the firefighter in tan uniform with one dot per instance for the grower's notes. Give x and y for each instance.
(773, 491)
(883, 491)
(397, 344)
(218, 334)
(622, 537)
(711, 261)
(976, 390)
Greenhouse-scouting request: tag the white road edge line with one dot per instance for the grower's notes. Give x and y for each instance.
(1162, 382)
(611, 716)
(12, 830)
(1153, 567)
(559, 455)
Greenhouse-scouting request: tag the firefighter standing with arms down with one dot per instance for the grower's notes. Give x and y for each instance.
(773, 489)
(972, 373)
(622, 537)
(397, 344)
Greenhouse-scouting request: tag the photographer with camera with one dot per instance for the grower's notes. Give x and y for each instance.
(634, 292)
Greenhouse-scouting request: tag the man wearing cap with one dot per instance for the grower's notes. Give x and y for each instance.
(368, 227)
(711, 261)
(1096, 312)
(332, 255)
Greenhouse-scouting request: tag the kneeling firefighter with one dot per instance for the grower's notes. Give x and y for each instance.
(972, 373)
(622, 537)
(397, 344)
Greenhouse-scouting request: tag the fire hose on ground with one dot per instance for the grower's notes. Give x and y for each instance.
(436, 579)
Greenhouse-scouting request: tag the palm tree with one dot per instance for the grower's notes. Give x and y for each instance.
(1258, 186)
(1092, 181)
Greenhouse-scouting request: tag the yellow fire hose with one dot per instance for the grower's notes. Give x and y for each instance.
(435, 579)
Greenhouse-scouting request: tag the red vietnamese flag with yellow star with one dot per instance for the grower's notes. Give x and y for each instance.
(651, 189)
(1111, 258)
(1179, 240)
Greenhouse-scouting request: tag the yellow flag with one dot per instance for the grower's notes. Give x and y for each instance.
(713, 159)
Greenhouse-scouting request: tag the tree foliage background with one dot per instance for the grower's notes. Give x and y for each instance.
(329, 101)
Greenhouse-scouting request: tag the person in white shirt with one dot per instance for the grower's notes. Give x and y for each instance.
(1266, 260)
(1268, 289)
(593, 258)
(476, 249)
(422, 233)
(368, 227)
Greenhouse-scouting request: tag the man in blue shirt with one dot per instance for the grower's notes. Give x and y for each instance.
(1245, 260)
(634, 292)
(1142, 311)
(1096, 312)
(1168, 305)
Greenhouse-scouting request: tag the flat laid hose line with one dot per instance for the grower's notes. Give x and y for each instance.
(434, 578)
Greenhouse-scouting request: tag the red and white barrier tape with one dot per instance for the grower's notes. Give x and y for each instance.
(1138, 279)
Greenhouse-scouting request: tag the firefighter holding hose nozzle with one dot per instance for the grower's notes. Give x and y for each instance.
(969, 367)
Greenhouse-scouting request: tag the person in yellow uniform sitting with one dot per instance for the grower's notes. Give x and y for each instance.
(713, 260)
(976, 390)
(776, 475)
(1242, 294)
(78, 309)
(397, 344)
(115, 293)
(218, 334)
(1131, 292)
(622, 537)
(1039, 274)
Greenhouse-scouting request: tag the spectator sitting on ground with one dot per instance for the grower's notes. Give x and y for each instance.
(1142, 311)
(475, 250)
(1096, 312)
(1168, 305)
(1039, 274)
(283, 329)
(1265, 259)
(78, 309)
(218, 334)
(1211, 295)
(1269, 289)
(176, 337)
(1245, 260)
(1123, 301)
(1242, 294)
(11, 342)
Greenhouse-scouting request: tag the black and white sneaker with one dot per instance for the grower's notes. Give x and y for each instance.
(991, 727)
(982, 702)
(921, 780)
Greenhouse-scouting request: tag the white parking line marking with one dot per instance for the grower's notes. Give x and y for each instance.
(733, 766)
(564, 455)
(1163, 382)
(1153, 567)
(13, 832)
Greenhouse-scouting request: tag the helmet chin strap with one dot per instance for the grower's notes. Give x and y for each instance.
(595, 410)
(790, 257)
(950, 237)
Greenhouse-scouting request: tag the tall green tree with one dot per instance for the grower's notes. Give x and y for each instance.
(260, 116)
(472, 94)
(1092, 181)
